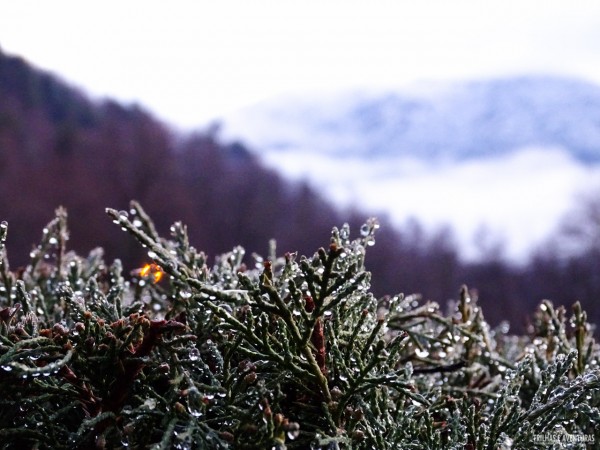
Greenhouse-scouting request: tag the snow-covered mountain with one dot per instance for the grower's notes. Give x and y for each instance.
(504, 154)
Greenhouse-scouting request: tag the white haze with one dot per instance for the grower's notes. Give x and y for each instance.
(514, 202)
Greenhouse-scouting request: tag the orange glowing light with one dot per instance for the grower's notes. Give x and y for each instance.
(152, 270)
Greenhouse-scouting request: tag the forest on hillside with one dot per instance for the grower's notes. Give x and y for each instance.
(58, 147)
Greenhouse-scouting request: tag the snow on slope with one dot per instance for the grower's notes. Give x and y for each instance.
(509, 155)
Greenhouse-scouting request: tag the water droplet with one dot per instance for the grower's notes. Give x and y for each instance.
(421, 353)
(53, 241)
(123, 214)
(226, 307)
(137, 223)
(345, 232)
(194, 354)
(590, 378)
(185, 294)
(504, 327)
(7, 368)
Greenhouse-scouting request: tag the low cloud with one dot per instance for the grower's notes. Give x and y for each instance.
(518, 199)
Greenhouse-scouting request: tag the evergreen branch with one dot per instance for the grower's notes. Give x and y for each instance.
(156, 251)
(295, 354)
(583, 383)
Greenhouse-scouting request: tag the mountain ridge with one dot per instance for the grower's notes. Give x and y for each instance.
(456, 121)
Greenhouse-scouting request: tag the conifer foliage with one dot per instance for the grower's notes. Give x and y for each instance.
(285, 351)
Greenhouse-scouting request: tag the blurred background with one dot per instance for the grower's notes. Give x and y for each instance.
(471, 130)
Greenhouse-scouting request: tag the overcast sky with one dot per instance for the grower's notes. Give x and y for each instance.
(190, 61)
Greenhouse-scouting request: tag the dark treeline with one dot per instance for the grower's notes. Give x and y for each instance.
(59, 148)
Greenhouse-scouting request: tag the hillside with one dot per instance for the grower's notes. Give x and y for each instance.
(58, 147)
